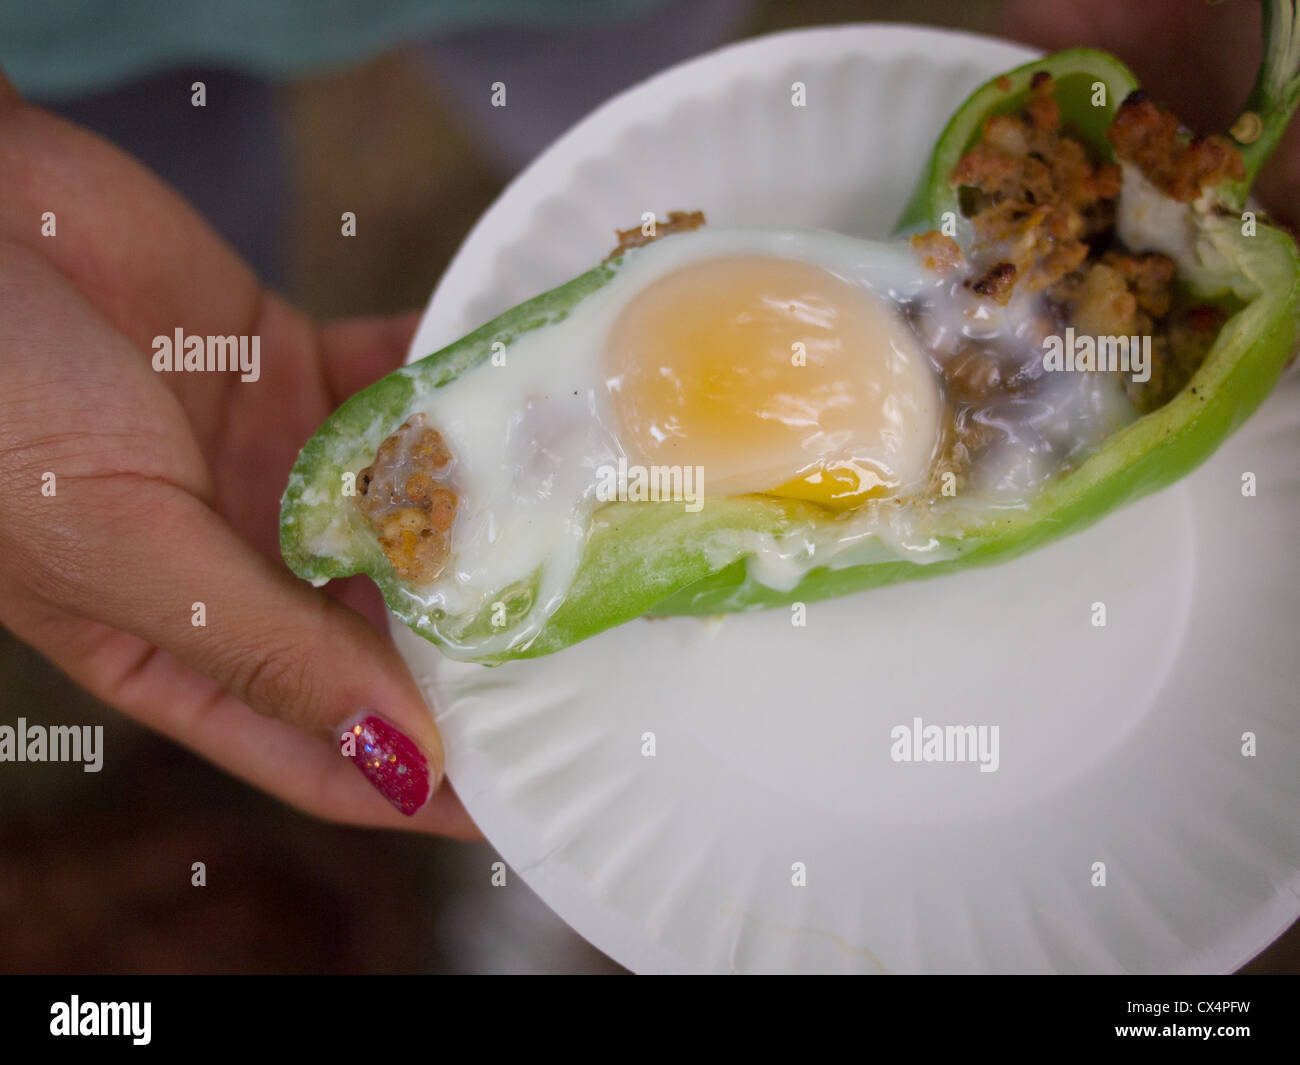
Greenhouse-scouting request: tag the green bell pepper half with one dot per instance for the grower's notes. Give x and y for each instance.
(660, 560)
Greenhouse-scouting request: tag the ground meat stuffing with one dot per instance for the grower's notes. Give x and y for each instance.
(1043, 212)
(405, 498)
(1178, 354)
(1132, 296)
(678, 222)
(1035, 195)
(997, 282)
(1178, 166)
(938, 251)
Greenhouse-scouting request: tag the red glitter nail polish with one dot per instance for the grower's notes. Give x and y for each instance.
(390, 760)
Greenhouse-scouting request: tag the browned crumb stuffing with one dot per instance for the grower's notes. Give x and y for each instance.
(1147, 135)
(1043, 214)
(1118, 294)
(678, 222)
(1038, 199)
(997, 282)
(1125, 295)
(1043, 110)
(1179, 353)
(404, 497)
(1149, 276)
(938, 251)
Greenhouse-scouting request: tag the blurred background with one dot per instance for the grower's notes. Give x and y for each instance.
(393, 122)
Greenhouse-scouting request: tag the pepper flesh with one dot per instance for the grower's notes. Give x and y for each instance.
(1238, 372)
(646, 559)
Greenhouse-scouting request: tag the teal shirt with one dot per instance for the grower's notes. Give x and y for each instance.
(60, 48)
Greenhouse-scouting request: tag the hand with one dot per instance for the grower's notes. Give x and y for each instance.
(166, 488)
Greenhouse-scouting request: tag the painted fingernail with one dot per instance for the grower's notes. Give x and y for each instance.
(390, 760)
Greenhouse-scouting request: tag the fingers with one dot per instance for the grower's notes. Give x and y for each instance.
(125, 541)
(157, 690)
(159, 564)
(360, 351)
(138, 252)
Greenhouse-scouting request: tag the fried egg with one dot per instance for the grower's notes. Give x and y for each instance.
(790, 364)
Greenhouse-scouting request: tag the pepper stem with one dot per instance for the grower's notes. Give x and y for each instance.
(1274, 95)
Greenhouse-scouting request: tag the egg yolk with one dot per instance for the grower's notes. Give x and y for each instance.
(774, 377)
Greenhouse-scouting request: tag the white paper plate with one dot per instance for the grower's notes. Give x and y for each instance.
(1119, 744)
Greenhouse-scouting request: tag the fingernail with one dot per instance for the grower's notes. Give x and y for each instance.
(390, 760)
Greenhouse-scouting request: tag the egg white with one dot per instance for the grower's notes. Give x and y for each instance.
(529, 436)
